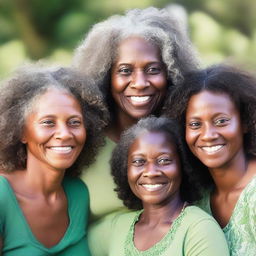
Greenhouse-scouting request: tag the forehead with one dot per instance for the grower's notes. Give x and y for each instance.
(54, 99)
(151, 141)
(206, 101)
(137, 46)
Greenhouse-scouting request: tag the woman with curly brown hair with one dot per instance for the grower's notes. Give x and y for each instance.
(50, 127)
(216, 108)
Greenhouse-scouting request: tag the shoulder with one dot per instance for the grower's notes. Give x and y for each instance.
(75, 185)
(203, 234)
(196, 218)
(124, 219)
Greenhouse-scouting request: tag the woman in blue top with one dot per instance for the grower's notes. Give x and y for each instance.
(47, 121)
(216, 107)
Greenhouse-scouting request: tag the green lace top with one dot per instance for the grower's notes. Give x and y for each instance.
(193, 233)
(159, 247)
(240, 231)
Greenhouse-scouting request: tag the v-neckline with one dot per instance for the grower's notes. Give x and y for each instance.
(26, 224)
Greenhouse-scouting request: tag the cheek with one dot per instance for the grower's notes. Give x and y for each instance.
(190, 137)
(118, 84)
(81, 136)
(160, 83)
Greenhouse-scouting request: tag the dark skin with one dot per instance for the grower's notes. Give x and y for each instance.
(229, 187)
(152, 159)
(214, 133)
(54, 135)
(138, 83)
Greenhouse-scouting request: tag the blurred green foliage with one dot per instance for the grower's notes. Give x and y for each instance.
(50, 30)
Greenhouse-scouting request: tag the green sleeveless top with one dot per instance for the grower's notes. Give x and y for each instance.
(18, 238)
(240, 231)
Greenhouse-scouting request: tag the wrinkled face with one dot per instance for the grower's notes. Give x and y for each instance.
(154, 173)
(138, 78)
(214, 131)
(54, 132)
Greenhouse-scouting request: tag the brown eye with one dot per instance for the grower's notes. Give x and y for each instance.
(138, 162)
(221, 121)
(74, 122)
(153, 70)
(47, 123)
(164, 161)
(194, 125)
(125, 71)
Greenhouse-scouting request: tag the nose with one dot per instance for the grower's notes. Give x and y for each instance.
(209, 132)
(63, 132)
(151, 170)
(139, 80)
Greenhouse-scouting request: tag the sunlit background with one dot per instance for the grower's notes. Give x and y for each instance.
(221, 30)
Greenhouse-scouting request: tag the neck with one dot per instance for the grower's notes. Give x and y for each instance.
(162, 213)
(41, 180)
(121, 122)
(230, 176)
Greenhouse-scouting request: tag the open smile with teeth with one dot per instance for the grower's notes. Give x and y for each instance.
(140, 99)
(62, 150)
(212, 149)
(152, 187)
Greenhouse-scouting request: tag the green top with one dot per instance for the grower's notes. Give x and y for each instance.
(18, 237)
(240, 231)
(103, 198)
(193, 233)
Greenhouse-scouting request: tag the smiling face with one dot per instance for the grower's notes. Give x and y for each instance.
(154, 172)
(214, 131)
(138, 78)
(54, 132)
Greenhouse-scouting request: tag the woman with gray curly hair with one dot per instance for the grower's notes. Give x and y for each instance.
(134, 59)
(50, 125)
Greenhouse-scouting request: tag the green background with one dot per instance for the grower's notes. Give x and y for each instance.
(221, 30)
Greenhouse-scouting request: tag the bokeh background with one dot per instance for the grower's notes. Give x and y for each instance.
(221, 30)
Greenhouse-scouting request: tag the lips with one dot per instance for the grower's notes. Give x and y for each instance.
(212, 149)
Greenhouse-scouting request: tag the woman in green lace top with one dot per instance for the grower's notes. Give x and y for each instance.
(152, 174)
(217, 109)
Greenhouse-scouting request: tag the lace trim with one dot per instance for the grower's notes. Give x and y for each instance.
(158, 248)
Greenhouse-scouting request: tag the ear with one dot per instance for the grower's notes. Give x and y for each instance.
(23, 139)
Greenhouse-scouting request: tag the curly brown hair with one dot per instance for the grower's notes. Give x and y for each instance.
(18, 97)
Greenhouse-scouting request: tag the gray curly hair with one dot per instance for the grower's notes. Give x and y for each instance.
(18, 96)
(97, 52)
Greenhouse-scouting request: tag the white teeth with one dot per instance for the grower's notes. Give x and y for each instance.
(61, 149)
(212, 149)
(140, 98)
(152, 187)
